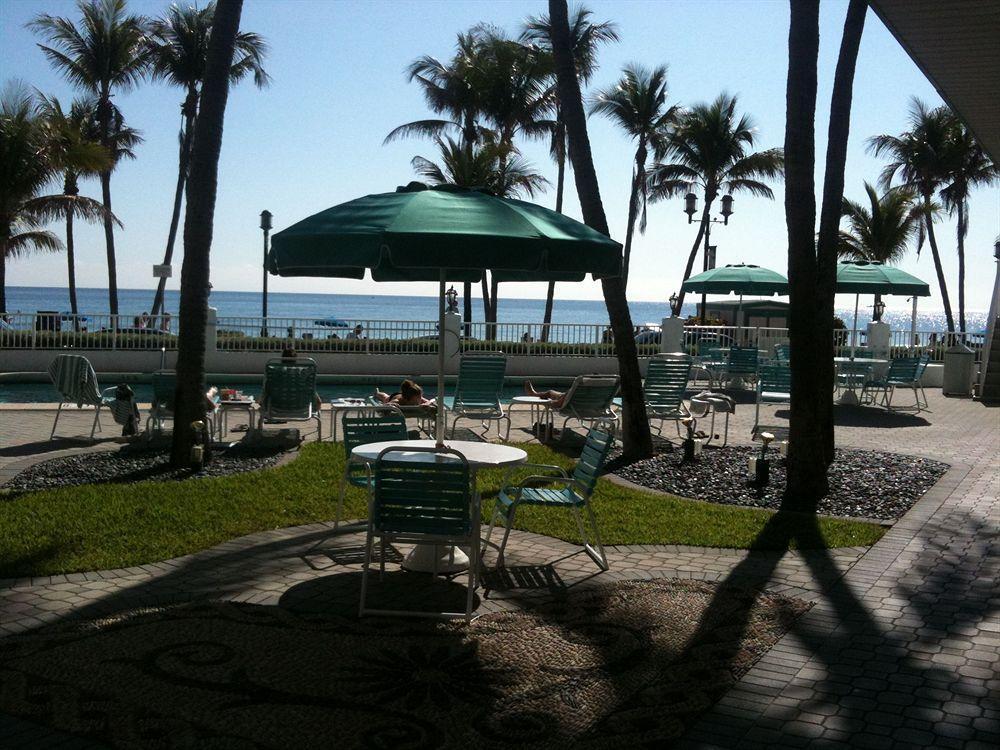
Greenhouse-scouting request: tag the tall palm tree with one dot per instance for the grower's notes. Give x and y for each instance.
(637, 441)
(198, 225)
(711, 148)
(637, 103)
(24, 170)
(73, 152)
(969, 167)
(585, 38)
(484, 166)
(883, 230)
(921, 158)
(105, 55)
(178, 45)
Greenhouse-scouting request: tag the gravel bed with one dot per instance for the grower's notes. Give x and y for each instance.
(130, 465)
(863, 484)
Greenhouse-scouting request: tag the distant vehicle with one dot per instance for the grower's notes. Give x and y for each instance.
(647, 336)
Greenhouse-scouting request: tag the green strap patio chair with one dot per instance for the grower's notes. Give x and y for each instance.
(904, 372)
(664, 388)
(590, 401)
(161, 407)
(574, 494)
(742, 362)
(711, 361)
(74, 377)
(774, 385)
(421, 502)
(289, 393)
(380, 425)
(477, 392)
(782, 353)
(854, 375)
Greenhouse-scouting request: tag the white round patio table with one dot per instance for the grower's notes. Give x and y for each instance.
(849, 397)
(427, 558)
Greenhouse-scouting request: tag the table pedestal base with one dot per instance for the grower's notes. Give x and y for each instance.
(422, 559)
(848, 398)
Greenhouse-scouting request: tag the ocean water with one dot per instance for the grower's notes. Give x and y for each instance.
(399, 307)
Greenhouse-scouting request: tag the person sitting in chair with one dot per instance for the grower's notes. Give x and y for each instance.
(409, 394)
(289, 355)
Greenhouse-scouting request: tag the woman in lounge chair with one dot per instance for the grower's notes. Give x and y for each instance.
(409, 394)
(556, 397)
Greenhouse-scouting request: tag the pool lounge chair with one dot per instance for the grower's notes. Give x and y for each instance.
(774, 386)
(590, 401)
(574, 494)
(477, 392)
(421, 503)
(741, 362)
(664, 388)
(289, 393)
(904, 372)
(74, 377)
(161, 407)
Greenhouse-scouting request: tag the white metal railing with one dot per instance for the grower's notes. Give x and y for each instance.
(44, 330)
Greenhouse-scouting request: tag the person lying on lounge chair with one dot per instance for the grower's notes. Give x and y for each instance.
(556, 397)
(409, 394)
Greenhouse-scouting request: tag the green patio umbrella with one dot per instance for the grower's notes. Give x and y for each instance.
(738, 279)
(874, 277)
(442, 233)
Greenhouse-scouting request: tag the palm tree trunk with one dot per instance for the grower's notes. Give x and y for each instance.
(633, 207)
(104, 117)
(807, 478)
(198, 226)
(637, 442)
(4, 234)
(693, 255)
(560, 190)
(71, 265)
(183, 158)
(961, 266)
(829, 223)
(932, 240)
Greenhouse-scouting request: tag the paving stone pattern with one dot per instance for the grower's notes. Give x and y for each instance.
(900, 650)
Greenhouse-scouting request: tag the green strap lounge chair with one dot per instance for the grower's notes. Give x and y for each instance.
(380, 425)
(590, 401)
(421, 502)
(289, 393)
(782, 353)
(574, 494)
(904, 372)
(664, 388)
(74, 377)
(477, 392)
(741, 362)
(774, 386)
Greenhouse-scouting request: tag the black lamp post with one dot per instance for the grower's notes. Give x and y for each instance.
(691, 208)
(265, 224)
(878, 308)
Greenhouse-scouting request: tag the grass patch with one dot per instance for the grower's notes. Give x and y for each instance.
(96, 527)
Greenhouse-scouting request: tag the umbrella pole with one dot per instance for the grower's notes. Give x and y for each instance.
(913, 328)
(854, 330)
(739, 322)
(439, 420)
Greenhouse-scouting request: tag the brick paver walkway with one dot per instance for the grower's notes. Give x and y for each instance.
(900, 650)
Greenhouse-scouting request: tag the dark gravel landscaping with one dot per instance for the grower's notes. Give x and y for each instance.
(863, 484)
(134, 464)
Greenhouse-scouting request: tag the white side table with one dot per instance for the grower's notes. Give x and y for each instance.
(427, 558)
(541, 415)
(340, 405)
(225, 406)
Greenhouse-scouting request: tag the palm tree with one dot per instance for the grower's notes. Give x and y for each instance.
(486, 166)
(637, 103)
(969, 167)
(922, 158)
(198, 224)
(106, 55)
(637, 442)
(178, 45)
(24, 170)
(711, 148)
(883, 230)
(73, 152)
(585, 38)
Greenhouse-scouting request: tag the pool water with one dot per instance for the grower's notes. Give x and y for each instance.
(35, 393)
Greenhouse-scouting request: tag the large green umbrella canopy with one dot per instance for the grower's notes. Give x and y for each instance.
(413, 233)
(442, 233)
(874, 277)
(737, 279)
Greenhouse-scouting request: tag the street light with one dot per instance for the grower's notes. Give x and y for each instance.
(691, 208)
(265, 224)
(673, 304)
(878, 308)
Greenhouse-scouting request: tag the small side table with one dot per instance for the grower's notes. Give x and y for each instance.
(339, 405)
(540, 413)
(225, 406)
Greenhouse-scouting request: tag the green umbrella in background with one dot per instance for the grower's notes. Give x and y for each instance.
(442, 233)
(737, 279)
(874, 277)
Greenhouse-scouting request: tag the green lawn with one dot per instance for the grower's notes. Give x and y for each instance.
(95, 527)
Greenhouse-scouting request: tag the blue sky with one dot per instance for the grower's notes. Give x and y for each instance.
(314, 138)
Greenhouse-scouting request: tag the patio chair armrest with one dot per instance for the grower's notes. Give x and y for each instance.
(105, 391)
(550, 467)
(519, 488)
